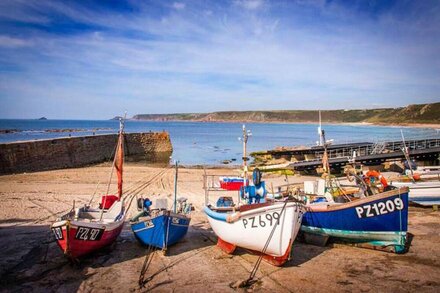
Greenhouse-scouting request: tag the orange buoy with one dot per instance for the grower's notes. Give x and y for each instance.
(416, 176)
(378, 176)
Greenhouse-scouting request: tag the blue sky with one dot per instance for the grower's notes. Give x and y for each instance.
(97, 59)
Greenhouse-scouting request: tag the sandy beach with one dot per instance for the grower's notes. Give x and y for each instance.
(31, 261)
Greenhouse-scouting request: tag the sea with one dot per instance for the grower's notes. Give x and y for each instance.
(213, 143)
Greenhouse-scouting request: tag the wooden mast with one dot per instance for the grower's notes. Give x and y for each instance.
(175, 186)
(118, 154)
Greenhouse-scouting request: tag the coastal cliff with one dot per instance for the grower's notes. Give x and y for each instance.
(71, 152)
(412, 114)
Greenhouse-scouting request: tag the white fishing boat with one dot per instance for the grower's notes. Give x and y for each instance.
(269, 228)
(426, 193)
(257, 223)
(424, 184)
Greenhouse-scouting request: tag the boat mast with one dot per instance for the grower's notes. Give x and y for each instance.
(325, 163)
(320, 132)
(175, 186)
(119, 144)
(406, 153)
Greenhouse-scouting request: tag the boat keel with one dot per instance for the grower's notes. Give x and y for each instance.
(278, 261)
(226, 246)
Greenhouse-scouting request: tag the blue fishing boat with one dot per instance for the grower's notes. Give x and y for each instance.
(380, 220)
(376, 216)
(159, 226)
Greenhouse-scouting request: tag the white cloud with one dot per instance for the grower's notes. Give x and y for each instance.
(189, 61)
(250, 4)
(179, 5)
(10, 42)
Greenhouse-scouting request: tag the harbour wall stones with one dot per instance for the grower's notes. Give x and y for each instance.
(58, 153)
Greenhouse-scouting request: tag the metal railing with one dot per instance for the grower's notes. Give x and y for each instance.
(381, 147)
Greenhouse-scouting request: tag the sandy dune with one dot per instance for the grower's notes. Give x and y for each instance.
(31, 261)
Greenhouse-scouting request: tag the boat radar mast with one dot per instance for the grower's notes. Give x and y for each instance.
(244, 138)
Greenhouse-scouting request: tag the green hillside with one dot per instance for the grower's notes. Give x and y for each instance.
(423, 113)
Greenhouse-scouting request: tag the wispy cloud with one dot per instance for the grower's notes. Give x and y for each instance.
(250, 4)
(10, 42)
(179, 5)
(69, 60)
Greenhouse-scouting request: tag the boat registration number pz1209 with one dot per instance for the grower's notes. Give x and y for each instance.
(379, 208)
(91, 234)
(262, 220)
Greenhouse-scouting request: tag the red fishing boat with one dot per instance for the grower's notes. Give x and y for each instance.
(84, 229)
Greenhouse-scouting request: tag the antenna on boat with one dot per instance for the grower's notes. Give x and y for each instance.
(175, 185)
(246, 134)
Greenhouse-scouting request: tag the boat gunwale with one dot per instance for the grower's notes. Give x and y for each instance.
(233, 217)
(351, 204)
(164, 213)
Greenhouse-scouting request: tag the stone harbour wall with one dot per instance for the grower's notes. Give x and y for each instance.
(58, 153)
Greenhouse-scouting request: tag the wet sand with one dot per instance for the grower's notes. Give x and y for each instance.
(30, 260)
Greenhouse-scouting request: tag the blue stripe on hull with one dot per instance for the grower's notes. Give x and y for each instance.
(163, 225)
(345, 223)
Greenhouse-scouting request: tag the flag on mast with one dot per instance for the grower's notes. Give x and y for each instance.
(119, 161)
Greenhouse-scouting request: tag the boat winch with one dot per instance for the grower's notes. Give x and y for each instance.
(254, 193)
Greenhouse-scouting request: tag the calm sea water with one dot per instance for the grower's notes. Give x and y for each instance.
(211, 143)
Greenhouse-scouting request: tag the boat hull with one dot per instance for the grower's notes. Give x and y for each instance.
(79, 239)
(161, 231)
(380, 220)
(422, 193)
(251, 229)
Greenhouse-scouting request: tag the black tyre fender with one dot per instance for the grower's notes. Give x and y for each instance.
(256, 176)
(140, 203)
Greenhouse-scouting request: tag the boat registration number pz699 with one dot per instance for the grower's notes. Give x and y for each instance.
(379, 208)
(92, 234)
(262, 220)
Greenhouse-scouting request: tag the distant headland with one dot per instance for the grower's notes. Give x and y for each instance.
(42, 118)
(425, 114)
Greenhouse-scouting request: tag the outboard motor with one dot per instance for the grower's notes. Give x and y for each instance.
(257, 192)
(144, 204)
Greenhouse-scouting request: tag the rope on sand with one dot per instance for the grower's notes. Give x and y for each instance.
(137, 190)
(250, 281)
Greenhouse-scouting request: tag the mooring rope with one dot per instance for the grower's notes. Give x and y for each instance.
(147, 261)
(251, 280)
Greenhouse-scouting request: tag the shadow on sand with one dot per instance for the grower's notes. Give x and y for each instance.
(30, 260)
(301, 252)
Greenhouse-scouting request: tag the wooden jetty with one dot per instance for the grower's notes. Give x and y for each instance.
(367, 153)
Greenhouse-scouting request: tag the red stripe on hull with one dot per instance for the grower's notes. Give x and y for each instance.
(75, 248)
(225, 246)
